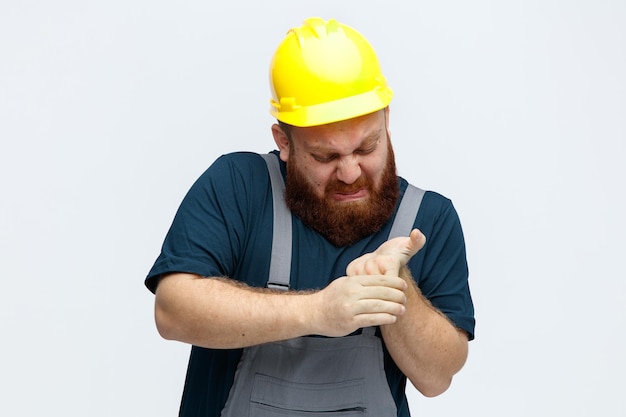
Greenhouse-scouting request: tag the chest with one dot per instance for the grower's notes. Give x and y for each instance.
(312, 262)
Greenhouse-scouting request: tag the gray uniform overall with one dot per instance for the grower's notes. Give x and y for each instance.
(314, 376)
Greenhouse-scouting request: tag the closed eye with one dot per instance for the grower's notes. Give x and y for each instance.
(325, 158)
(366, 150)
(367, 147)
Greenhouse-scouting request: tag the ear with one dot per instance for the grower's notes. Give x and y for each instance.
(282, 141)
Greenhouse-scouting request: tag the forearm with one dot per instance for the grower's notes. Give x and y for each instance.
(425, 345)
(220, 313)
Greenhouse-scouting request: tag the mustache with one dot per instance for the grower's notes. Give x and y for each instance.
(341, 187)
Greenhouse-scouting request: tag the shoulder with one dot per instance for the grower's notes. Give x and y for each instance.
(243, 163)
(235, 171)
(233, 183)
(436, 212)
(433, 204)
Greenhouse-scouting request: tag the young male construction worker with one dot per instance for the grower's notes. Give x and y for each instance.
(312, 281)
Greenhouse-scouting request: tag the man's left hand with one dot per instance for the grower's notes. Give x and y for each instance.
(390, 257)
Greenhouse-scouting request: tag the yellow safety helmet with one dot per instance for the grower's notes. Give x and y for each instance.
(324, 72)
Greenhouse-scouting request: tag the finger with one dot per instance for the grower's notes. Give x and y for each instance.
(376, 319)
(388, 266)
(379, 307)
(383, 294)
(373, 267)
(403, 247)
(390, 281)
(357, 266)
(417, 240)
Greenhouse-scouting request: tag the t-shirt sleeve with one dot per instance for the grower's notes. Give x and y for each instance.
(440, 268)
(208, 230)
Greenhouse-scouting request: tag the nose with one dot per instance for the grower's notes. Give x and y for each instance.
(348, 169)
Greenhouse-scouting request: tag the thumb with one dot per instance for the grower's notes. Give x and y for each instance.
(406, 248)
(417, 240)
(403, 248)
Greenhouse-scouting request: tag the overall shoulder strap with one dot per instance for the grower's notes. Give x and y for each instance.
(280, 261)
(405, 217)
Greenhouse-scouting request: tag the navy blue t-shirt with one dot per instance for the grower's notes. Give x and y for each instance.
(223, 228)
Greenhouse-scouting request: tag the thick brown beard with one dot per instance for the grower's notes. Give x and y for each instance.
(343, 223)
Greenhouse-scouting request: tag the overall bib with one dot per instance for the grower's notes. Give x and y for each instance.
(314, 376)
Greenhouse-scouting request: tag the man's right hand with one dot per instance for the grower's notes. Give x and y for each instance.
(349, 303)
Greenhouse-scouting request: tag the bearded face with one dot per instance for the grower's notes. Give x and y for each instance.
(343, 222)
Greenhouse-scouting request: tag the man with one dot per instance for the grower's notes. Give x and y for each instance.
(356, 312)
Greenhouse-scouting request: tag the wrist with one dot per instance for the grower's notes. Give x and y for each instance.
(309, 310)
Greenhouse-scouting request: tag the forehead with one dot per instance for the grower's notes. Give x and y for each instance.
(346, 134)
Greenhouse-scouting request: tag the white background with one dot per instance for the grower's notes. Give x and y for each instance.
(109, 110)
